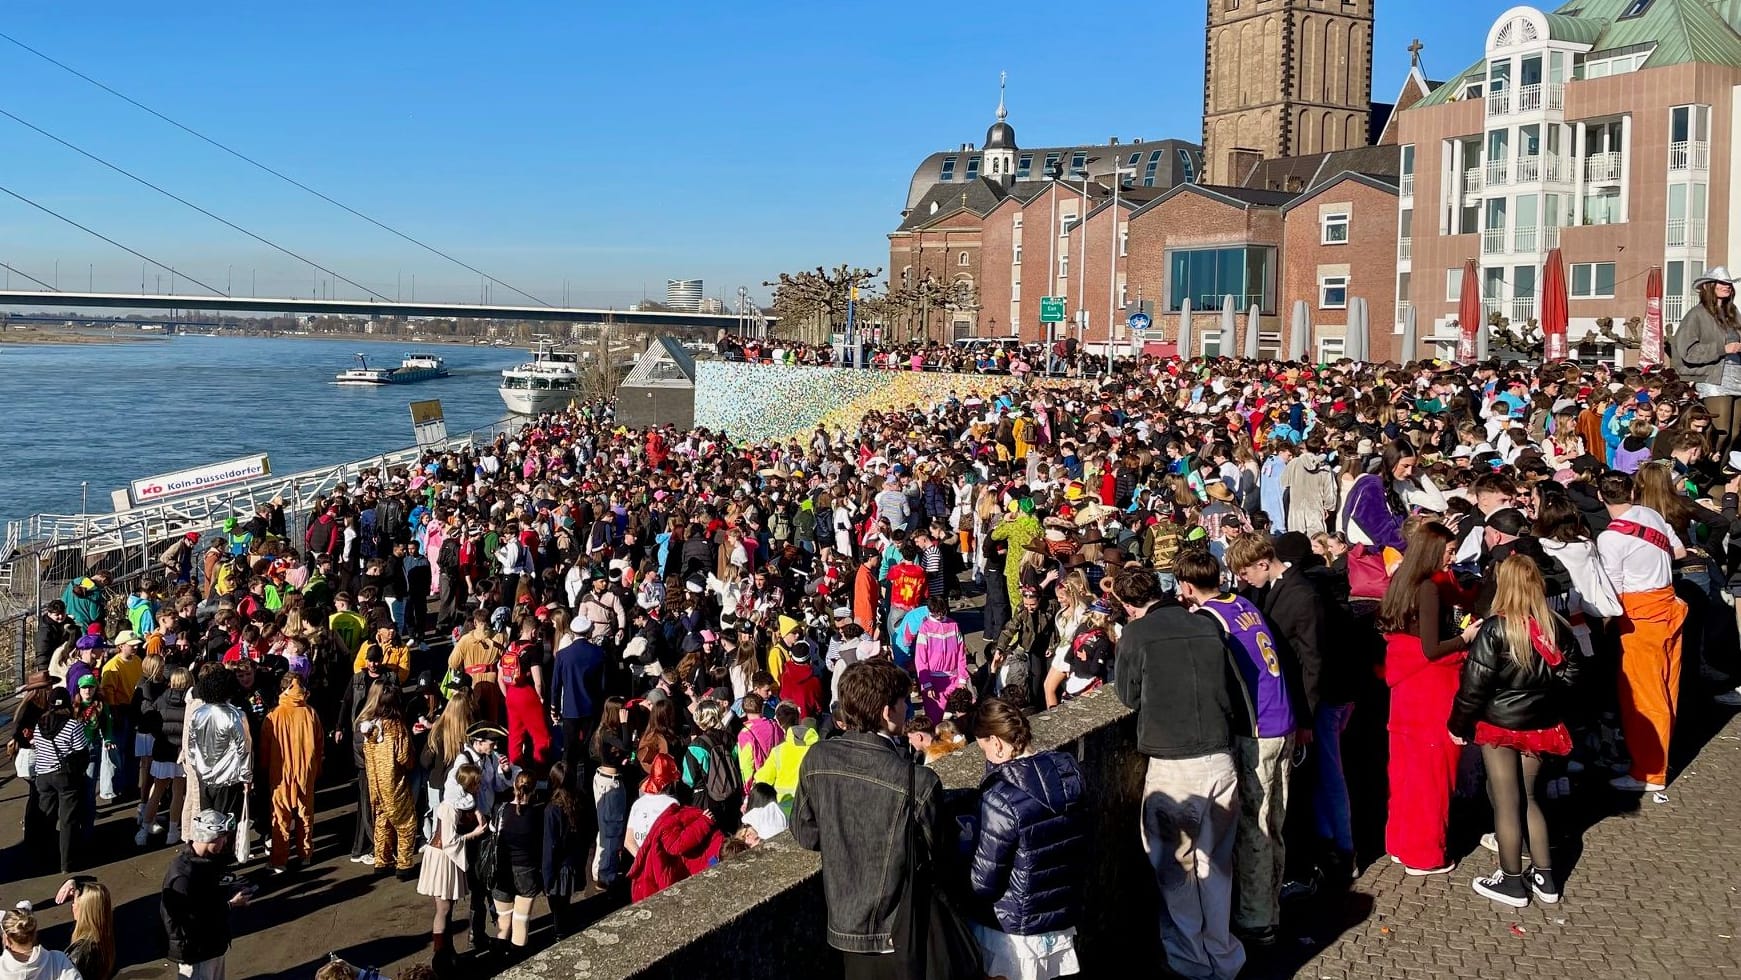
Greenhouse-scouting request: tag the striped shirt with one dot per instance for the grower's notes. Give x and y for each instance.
(51, 753)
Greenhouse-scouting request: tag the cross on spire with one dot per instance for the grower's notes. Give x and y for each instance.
(1415, 53)
(1003, 78)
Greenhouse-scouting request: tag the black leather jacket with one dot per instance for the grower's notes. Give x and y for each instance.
(1496, 689)
(851, 804)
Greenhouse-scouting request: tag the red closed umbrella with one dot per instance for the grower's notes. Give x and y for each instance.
(1650, 345)
(1468, 312)
(1554, 311)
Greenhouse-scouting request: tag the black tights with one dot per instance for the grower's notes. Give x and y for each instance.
(1723, 423)
(1511, 784)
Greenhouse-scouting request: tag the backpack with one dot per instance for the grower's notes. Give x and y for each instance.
(722, 783)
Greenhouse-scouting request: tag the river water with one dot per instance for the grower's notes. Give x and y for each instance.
(112, 413)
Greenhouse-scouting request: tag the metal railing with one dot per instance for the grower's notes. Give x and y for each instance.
(1405, 186)
(1556, 95)
(1689, 155)
(1522, 309)
(1405, 249)
(1673, 308)
(1497, 171)
(1523, 239)
(1402, 310)
(1472, 180)
(1550, 237)
(1529, 98)
(1686, 231)
(1528, 169)
(1602, 167)
(1493, 241)
(1499, 102)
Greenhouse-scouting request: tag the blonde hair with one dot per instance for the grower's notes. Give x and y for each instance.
(94, 922)
(181, 679)
(709, 715)
(152, 668)
(1519, 598)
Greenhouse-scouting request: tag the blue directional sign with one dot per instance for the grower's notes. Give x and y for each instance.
(1138, 321)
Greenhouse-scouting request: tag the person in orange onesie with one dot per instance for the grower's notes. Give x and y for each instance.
(290, 746)
(1638, 550)
(519, 673)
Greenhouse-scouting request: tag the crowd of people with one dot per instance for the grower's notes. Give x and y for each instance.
(584, 658)
(1066, 356)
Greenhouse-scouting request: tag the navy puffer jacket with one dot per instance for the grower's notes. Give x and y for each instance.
(1027, 860)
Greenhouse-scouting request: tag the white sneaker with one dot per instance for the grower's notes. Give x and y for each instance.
(1491, 842)
(367, 860)
(1627, 784)
(1729, 699)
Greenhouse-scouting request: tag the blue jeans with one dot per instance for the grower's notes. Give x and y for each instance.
(120, 771)
(396, 606)
(1330, 809)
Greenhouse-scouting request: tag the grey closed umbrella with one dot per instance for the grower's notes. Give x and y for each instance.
(1481, 341)
(1410, 334)
(1185, 328)
(1355, 346)
(1298, 339)
(1251, 316)
(1229, 326)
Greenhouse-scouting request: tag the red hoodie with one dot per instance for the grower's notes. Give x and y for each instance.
(682, 842)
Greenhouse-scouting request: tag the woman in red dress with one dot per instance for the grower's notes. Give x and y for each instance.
(1423, 658)
(1510, 701)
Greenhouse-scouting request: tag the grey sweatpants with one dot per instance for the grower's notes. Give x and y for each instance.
(1189, 816)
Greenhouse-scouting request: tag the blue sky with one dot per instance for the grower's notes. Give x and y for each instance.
(613, 146)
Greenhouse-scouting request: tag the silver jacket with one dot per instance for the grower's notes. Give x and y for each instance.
(218, 745)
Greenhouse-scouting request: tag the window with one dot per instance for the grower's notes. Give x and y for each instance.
(961, 259)
(1408, 159)
(1016, 252)
(1334, 228)
(1472, 90)
(1154, 164)
(1187, 169)
(1064, 267)
(906, 275)
(1330, 349)
(1635, 9)
(1332, 292)
(1078, 162)
(972, 167)
(1602, 207)
(1453, 285)
(1051, 164)
(1211, 343)
(948, 173)
(1593, 280)
(1024, 166)
(1134, 157)
(1206, 275)
(1124, 239)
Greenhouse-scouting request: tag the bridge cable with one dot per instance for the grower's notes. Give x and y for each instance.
(138, 255)
(276, 173)
(27, 275)
(182, 200)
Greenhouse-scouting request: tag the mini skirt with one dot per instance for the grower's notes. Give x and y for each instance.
(1538, 741)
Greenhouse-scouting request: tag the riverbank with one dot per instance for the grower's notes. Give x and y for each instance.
(31, 336)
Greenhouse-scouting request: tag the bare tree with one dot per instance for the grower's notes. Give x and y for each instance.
(812, 303)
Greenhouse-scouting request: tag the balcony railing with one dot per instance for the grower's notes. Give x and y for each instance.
(1528, 169)
(1529, 98)
(1673, 308)
(1497, 171)
(1472, 180)
(1406, 185)
(1602, 167)
(1550, 237)
(1523, 240)
(1554, 168)
(1493, 241)
(1405, 249)
(1402, 310)
(1689, 155)
(1499, 102)
(1556, 95)
(1686, 231)
(1522, 309)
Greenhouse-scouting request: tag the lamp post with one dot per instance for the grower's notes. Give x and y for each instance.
(1118, 239)
(1053, 173)
(1082, 272)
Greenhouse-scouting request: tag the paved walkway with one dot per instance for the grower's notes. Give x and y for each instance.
(1650, 891)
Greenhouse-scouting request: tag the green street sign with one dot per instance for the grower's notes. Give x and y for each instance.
(1051, 309)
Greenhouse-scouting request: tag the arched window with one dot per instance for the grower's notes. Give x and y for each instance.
(961, 259)
(906, 275)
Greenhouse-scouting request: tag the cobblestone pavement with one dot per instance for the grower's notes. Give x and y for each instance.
(1650, 890)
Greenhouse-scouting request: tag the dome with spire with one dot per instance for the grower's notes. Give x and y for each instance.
(1001, 135)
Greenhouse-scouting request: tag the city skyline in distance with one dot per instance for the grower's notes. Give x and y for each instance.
(595, 153)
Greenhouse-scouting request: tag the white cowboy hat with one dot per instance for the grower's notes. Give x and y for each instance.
(1715, 274)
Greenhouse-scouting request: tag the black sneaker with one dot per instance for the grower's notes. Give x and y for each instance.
(1543, 886)
(1504, 889)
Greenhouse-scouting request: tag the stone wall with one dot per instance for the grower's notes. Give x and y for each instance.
(762, 913)
(767, 401)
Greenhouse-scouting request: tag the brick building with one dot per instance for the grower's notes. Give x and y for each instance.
(1338, 244)
(1603, 127)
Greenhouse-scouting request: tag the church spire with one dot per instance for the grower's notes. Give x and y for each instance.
(1003, 78)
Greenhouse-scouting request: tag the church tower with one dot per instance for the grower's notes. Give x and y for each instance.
(1284, 78)
(1000, 141)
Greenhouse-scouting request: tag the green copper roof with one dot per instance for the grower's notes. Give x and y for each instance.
(1681, 31)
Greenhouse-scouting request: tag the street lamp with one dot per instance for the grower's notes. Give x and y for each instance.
(1118, 174)
(1054, 171)
(1082, 273)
